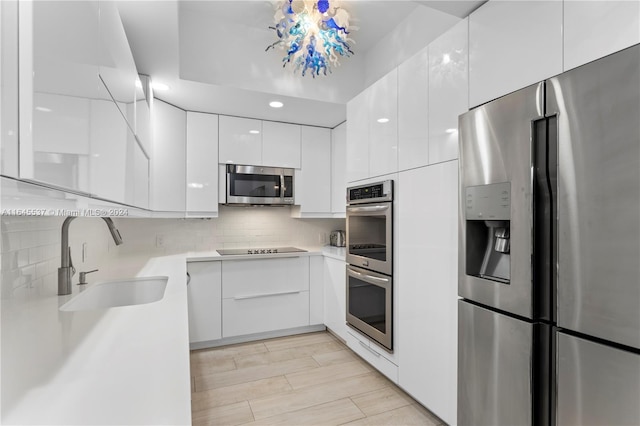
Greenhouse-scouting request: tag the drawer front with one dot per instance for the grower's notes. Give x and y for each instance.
(243, 278)
(264, 312)
(372, 354)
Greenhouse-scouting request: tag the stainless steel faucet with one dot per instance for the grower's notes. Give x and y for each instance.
(66, 270)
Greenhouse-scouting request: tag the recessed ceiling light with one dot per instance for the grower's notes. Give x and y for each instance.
(382, 120)
(43, 109)
(276, 104)
(254, 132)
(159, 86)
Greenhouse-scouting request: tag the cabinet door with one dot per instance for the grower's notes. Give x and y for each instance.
(427, 289)
(513, 44)
(264, 295)
(109, 136)
(313, 180)
(202, 163)
(169, 158)
(413, 111)
(383, 125)
(240, 141)
(335, 294)
(280, 145)
(58, 62)
(339, 169)
(9, 92)
(594, 29)
(117, 66)
(358, 137)
(204, 294)
(448, 91)
(137, 175)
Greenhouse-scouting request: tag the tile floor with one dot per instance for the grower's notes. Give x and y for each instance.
(309, 379)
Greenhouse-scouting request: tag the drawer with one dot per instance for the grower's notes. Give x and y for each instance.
(263, 312)
(242, 278)
(372, 354)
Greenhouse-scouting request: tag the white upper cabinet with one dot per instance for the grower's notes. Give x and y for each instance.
(448, 91)
(168, 167)
(280, 145)
(593, 29)
(513, 44)
(259, 143)
(137, 178)
(240, 141)
(358, 137)
(313, 180)
(9, 84)
(383, 125)
(58, 62)
(413, 111)
(117, 66)
(202, 164)
(339, 169)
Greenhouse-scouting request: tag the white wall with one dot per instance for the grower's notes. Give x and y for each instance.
(31, 245)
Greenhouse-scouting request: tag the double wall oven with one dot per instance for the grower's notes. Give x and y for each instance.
(370, 261)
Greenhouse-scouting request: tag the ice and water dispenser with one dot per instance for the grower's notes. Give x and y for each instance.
(488, 236)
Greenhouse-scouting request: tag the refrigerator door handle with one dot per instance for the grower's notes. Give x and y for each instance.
(544, 233)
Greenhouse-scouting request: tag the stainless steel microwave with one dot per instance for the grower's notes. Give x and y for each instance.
(251, 185)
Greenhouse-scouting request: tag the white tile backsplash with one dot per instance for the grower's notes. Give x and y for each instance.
(31, 245)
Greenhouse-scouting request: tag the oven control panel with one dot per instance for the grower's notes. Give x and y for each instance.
(370, 193)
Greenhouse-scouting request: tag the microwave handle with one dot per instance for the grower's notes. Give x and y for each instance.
(368, 209)
(368, 277)
(282, 188)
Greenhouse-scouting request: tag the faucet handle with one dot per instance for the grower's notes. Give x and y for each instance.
(83, 277)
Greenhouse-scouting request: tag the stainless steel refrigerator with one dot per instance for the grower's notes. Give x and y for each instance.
(549, 265)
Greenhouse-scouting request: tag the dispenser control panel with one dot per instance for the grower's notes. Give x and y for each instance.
(488, 202)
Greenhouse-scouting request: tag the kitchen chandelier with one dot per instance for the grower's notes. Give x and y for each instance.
(313, 34)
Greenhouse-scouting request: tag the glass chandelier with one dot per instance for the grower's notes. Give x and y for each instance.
(313, 34)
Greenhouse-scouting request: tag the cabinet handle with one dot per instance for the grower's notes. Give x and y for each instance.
(188, 278)
(369, 349)
(256, 296)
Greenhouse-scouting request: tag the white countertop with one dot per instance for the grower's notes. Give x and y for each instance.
(126, 365)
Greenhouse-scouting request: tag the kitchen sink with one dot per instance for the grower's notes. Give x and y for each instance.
(111, 294)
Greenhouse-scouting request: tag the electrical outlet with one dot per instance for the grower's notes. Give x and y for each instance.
(159, 240)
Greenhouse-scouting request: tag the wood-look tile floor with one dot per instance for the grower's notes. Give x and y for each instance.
(308, 379)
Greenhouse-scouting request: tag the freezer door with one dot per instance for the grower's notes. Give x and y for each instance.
(495, 148)
(597, 384)
(498, 371)
(598, 115)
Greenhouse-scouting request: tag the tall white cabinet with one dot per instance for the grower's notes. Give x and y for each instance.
(427, 285)
(201, 169)
(313, 179)
(168, 169)
(339, 169)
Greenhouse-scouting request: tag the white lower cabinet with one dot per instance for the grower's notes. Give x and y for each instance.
(427, 255)
(264, 295)
(204, 294)
(371, 353)
(335, 295)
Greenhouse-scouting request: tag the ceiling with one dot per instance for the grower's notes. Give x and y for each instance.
(212, 54)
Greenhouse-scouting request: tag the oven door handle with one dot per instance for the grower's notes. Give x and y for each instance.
(368, 277)
(367, 209)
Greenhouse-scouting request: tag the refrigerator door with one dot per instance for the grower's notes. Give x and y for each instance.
(498, 370)
(597, 384)
(495, 148)
(598, 115)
